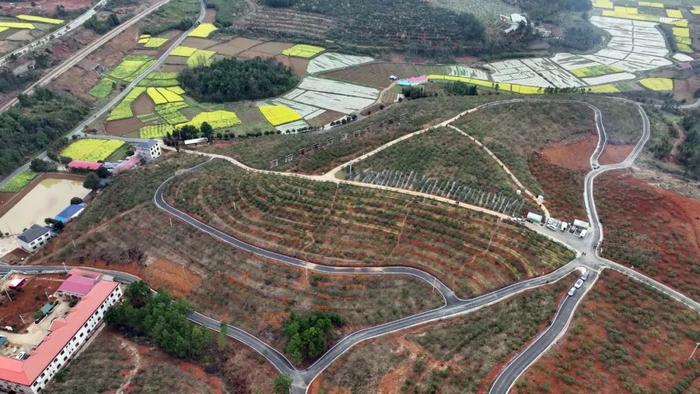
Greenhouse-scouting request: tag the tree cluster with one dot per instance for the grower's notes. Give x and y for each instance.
(34, 124)
(233, 79)
(690, 150)
(413, 26)
(543, 9)
(162, 319)
(461, 89)
(102, 26)
(580, 35)
(307, 335)
(279, 3)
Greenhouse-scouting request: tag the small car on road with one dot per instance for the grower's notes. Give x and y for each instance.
(578, 283)
(572, 291)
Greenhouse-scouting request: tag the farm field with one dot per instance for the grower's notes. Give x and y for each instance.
(376, 130)
(348, 225)
(628, 338)
(19, 181)
(651, 229)
(514, 132)
(91, 149)
(104, 366)
(117, 231)
(458, 355)
(442, 154)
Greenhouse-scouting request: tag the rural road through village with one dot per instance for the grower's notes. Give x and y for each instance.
(71, 62)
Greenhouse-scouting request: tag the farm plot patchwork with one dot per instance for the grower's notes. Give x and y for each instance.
(337, 96)
(629, 337)
(91, 149)
(200, 58)
(279, 114)
(204, 30)
(303, 50)
(40, 19)
(123, 110)
(131, 67)
(347, 225)
(332, 61)
(539, 72)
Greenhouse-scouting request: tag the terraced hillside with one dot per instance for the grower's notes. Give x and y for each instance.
(628, 338)
(344, 225)
(286, 22)
(362, 136)
(217, 280)
(460, 355)
(514, 132)
(443, 154)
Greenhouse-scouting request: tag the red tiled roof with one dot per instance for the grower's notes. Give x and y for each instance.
(84, 165)
(77, 285)
(26, 372)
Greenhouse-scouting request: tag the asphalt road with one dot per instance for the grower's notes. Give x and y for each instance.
(60, 32)
(454, 306)
(512, 371)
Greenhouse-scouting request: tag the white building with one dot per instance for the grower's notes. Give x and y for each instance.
(35, 237)
(148, 150)
(66, 336)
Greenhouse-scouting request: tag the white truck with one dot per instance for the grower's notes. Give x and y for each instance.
(583, 234)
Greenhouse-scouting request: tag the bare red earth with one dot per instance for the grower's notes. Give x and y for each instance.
(625, 337)
(655, 230)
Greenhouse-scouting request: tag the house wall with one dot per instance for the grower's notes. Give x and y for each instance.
(37, 243)
(68, 350)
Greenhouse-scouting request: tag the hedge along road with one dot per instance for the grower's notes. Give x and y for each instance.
(73, 60)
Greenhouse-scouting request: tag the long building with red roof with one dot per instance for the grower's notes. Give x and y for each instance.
(66, 335)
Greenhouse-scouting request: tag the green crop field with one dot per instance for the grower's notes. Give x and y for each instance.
(91, 149)
(19, 181)
(131, 67)
(103, 88)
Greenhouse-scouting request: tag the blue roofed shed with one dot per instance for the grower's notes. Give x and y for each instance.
(71, 212)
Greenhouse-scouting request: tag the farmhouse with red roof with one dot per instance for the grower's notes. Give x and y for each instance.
(67, 332)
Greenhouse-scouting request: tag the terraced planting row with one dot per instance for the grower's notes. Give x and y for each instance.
(513, 132)
(373, 131)
(343, 225)
(239, 288)
(443, 154)
(458, 355)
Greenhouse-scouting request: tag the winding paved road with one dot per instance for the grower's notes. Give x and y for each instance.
(453, 306)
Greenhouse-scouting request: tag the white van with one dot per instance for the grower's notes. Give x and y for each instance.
(583, 234)
(564, 226)
(572, 291)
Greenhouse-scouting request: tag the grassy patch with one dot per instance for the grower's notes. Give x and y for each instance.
(177, 14)
(19, 181)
